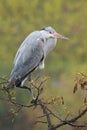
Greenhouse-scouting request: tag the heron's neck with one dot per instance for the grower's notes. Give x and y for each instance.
(48, 42)
(49, 45)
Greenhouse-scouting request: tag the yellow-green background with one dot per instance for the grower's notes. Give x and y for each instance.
(69, 17)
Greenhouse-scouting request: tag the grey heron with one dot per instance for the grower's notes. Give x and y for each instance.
(32, 53)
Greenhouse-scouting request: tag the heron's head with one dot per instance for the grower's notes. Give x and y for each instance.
(52, 33)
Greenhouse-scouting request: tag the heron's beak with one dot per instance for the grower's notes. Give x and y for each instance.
(57, 35)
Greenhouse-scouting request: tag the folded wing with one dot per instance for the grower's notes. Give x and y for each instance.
(28, 57)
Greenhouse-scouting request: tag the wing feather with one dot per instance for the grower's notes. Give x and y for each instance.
(28, 56)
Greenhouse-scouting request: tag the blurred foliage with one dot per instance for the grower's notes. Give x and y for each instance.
(20, 17)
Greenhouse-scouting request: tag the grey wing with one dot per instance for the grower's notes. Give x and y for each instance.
(27, 59)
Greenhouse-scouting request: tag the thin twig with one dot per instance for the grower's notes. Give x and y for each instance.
(69, 122)
(40, 122)
(4, 79)
(43, 115)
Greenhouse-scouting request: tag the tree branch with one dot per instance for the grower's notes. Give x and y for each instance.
(70, 122)
(47, 113)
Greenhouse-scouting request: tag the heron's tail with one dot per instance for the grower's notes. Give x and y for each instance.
(13, 84)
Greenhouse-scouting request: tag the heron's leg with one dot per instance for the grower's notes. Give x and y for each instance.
(31, 87)
(32, 92)
(21, 85)
(28, 88)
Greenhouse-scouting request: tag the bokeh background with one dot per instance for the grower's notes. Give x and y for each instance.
(20, 17)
